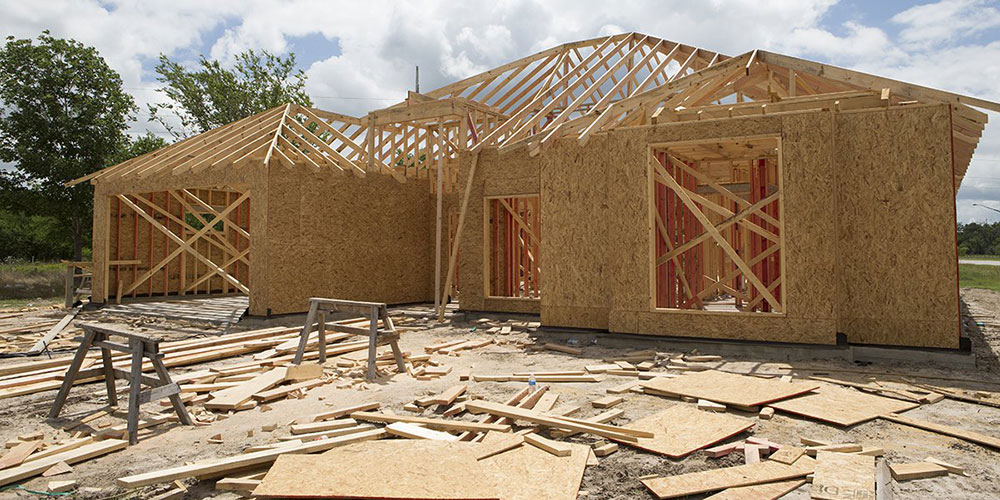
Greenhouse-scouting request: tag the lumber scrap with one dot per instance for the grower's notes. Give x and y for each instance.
(434, 423)
(301, 438)
(607, 401)
(19, 453)
(787, 454)
(413, 431)
(232, 398)
(243, 461)
(327, 425)
(55, 330)
(767, 491)
(840, 474)
(36, 467)
(681, 430)
(337, 413)
(916, 470)
(449, 396)
(554, 447)
(693, 483)
(971, 436)
(610, 432)
(280, 392)
(500, 445)
(954, 469)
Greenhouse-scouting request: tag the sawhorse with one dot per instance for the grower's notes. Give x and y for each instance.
(318, 307)
(139, 346)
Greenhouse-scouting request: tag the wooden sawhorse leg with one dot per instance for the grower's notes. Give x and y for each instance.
(304, 335)
(74, 369)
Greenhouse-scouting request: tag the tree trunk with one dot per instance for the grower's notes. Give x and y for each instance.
(77, 230)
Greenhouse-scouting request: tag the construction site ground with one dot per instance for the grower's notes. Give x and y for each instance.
(617, 475)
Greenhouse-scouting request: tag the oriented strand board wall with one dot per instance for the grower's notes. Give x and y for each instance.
(897, 280)
(342, 237)
(809, 221)
(511, 174)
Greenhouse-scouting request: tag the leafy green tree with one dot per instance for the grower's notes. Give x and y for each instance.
(139, 146)
(212, 95)
(63, 115)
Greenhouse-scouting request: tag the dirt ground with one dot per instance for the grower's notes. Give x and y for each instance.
(617, 476)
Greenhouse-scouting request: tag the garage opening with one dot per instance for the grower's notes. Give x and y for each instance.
(513, 231)
(716, 225)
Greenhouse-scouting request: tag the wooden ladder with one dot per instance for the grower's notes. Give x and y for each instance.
(318, 307)
(140, 346)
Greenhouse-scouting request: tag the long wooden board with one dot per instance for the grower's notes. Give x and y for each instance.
(728, 388)
(681, 430)
(693, 483)
(233, 397)
(608, 431)
(841, 406)
(36, 467)
(242, 461)
(843, 475)
(971, 436)
(413, 470)
(434, 423)
(767, 491)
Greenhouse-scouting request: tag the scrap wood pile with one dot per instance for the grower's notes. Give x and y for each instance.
(31, 333)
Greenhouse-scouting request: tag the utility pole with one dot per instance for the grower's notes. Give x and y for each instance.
(417, 80)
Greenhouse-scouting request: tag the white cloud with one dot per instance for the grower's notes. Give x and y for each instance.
(381, 41)
(945, 21)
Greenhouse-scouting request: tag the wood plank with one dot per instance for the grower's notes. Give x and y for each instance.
(233, 397)
(841, 406)
(681, 430)
(491, 447)
(339, 412)
(19, 453)
(693, 483)
(55, 330)
(328, 425)
(243, 461)
(414, 431)
(787, 454)
(449, 396)
(728, 388)
(971, 436)
(434, 423)
(80, 454)
(554, 447)
(611, 432)
(843, 475)
(916, 470)
(607, 401)
(767, 491)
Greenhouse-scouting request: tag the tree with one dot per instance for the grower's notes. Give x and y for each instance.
(139, 146)
(64, 115)
(214, 96)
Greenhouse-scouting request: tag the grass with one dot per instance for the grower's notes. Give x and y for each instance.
(971, 275)
(15, 304)
(31, 280)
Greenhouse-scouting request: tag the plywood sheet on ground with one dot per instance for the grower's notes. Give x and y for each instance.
(729, 388)
(528, 473)
(841, 406)
(843, 475)
(681, 430)
(411, 470)
(768, 491)
(729, 477)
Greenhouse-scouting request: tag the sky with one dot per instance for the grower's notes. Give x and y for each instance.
(360, 56)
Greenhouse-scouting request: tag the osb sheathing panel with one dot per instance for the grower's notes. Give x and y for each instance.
(576, 240)
(619, 162)
(343, 237)
(897, 280)
(515, 173)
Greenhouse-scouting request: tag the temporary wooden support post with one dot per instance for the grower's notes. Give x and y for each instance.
(139, 346)
(376, 337)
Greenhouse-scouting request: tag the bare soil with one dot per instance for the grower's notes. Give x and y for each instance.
(617, 476)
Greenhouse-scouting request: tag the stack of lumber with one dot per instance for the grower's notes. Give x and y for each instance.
(23, 335)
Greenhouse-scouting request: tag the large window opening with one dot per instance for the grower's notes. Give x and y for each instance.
(716, 224)
(513, 231)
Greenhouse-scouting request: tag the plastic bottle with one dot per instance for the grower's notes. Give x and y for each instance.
(531, 382)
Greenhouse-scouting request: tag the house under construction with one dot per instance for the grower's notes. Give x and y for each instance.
(624, 183)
